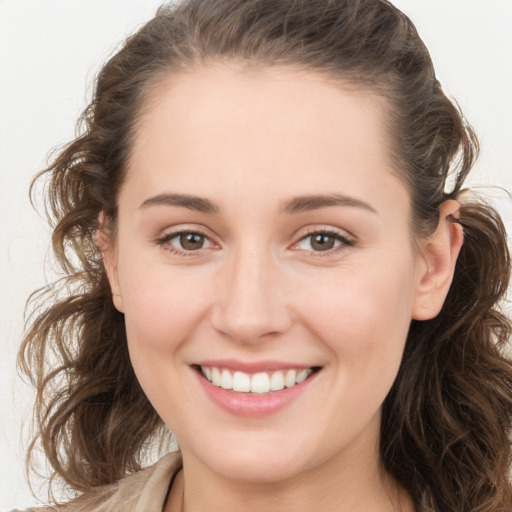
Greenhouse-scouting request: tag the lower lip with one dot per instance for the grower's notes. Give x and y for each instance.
(253, 406)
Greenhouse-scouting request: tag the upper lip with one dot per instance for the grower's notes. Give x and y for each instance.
(253, 366)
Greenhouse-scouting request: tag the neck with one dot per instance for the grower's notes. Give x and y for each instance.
(352, 482)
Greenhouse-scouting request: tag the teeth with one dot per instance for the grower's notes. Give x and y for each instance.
(226, 381)
(277, 381)
(216, 378)
(301, 376)
(261, 382)
(207, 372)
(289, 380)
(241, 382)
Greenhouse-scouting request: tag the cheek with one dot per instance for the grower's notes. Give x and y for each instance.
(161, 305)
(364, 314)
(162, 308)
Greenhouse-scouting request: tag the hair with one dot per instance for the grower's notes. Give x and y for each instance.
(446, 421)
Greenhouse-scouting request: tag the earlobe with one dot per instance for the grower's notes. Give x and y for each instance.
(109, 256)
(439, 252)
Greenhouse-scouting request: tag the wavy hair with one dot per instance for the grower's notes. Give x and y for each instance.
(447, 419)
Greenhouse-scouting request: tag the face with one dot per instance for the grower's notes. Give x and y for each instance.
(263, 244)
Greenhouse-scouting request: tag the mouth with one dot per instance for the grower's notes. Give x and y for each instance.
(260, 383)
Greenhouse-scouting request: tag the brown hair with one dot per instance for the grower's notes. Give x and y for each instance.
(446, 421)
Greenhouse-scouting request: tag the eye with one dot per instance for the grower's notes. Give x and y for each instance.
(184, 242)
(190, 241)
(323, 241)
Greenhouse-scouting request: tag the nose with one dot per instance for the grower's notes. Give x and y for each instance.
(250, 304)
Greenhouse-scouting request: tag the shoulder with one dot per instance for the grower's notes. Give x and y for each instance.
(143, 491)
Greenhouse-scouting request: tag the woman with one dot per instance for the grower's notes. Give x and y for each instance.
(264, 257)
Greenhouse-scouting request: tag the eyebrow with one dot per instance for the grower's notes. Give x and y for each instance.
(198, 204)
(295, 205)
(314, 202)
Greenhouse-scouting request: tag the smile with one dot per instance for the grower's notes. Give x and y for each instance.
(259, 383)
(257, 389)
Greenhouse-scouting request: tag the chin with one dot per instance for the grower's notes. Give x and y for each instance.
(258, 461)
(255, 470)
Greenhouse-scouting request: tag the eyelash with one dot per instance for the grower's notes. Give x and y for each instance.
(344, 242)
(165, 239)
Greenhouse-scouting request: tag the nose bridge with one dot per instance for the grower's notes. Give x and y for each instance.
(251, 303)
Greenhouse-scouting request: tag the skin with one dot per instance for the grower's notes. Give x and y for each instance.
(250, 141)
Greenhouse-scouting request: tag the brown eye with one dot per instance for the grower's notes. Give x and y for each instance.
(185, 243)
(322, 242)
(191, 241)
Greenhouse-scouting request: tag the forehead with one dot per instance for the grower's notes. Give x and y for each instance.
(228, 127)
(281, 98)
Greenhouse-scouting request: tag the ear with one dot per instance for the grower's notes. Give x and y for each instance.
(439, 253)
(109, 256)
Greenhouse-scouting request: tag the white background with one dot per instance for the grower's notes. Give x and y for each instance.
(50, 51)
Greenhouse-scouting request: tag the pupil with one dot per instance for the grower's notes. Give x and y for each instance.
(322, 242)
(191, 241)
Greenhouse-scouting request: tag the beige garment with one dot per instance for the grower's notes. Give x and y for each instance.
(144, 491)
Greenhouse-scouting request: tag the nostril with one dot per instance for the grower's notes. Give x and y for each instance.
(250, 326)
